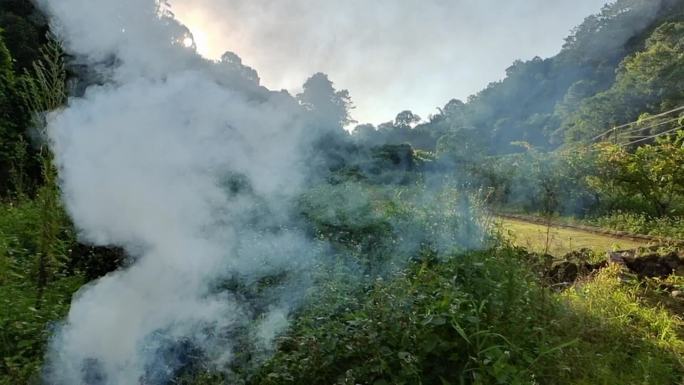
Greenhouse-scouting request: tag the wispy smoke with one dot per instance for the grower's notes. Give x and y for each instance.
(191, 166)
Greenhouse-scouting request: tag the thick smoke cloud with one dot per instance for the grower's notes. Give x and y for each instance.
(191, 166)
(391, 55)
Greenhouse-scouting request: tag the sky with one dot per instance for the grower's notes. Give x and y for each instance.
(391, 55)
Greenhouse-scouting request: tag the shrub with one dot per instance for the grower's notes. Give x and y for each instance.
(672, 227)
(469, 320)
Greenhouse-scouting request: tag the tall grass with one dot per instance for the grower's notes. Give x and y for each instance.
(24, 325)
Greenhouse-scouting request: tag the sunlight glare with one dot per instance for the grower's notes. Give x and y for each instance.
(201, 42)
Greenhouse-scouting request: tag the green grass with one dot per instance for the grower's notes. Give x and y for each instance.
(25, 319)
(25, 327)
(559, 241)
(635, 342)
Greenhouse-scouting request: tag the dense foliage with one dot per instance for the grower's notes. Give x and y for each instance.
(534, 140)
(631, 189)
(614, 66)
(34, 290)
(452, 316)
(480, 318)
(22, 35)
(649, 80)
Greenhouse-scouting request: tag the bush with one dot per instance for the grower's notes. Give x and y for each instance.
(671, 227)
(376, 226)
(469, 320)
(479, 318)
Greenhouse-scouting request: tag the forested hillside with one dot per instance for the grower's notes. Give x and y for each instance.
(169, 220)
(591, 132)
(615, 66)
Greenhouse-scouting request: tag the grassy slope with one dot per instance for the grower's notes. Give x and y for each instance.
(559, 241)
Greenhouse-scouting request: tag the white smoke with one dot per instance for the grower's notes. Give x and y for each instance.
(150, 161)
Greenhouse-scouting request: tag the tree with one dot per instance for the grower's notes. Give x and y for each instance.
(605, 36)
(366, 134)
(650, 80)
(656, 75)
(233, 62)
(329, 107)
(650, 179)
(25, 30)
(406, 119)
(454, 112)
(460, 145)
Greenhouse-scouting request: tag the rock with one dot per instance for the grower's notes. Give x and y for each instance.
(649, 265)
(564, 272)
(620, 257)
(677, 294)
(568, 272)
(654, 265)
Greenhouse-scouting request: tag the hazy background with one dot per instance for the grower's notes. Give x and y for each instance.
(391, 55)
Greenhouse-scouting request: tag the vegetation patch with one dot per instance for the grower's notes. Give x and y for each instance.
(559, 241)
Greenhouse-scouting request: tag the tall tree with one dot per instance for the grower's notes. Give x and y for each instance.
(406, 119)
(330, 108)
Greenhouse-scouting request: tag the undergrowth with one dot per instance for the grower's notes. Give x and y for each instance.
(435, 317)
(475, 318)
(481, 318)
(622, 339)
(27, 310)
(670, 227)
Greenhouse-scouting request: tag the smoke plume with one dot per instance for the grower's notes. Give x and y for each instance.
(191, 166)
